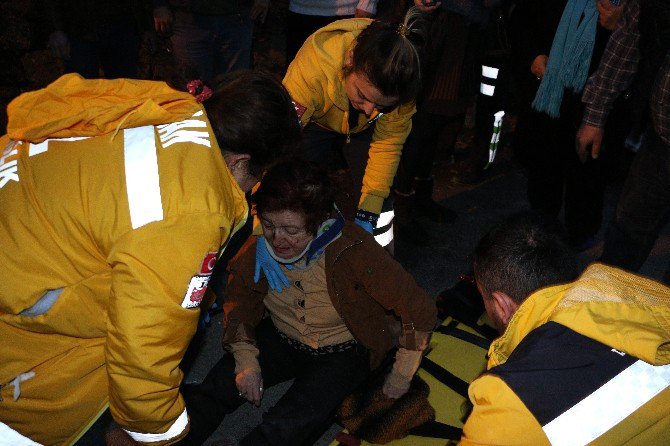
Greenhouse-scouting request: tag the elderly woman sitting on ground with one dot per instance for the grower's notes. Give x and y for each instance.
(328, 332)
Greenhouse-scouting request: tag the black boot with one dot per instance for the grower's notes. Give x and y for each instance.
(425, 206)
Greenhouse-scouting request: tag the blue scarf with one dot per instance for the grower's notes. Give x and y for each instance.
(570, 56)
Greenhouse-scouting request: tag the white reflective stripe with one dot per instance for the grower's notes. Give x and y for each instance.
(177, 428)
(36, 149)
(173, 126)
(487, 89)
(9, 437)
(490, 72)
(385, 237)
(385, 218)
(191, 136)
(142, 182)
(607, 406)
(198, 113)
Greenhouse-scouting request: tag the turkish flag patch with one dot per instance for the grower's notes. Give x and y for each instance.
(208, 263)
(195, 291)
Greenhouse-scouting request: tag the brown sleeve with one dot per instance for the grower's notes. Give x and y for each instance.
(244, 307)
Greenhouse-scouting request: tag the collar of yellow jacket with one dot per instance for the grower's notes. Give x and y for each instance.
(623, 310)
(74, 106)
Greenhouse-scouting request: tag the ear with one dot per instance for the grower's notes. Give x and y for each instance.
(504, 306)
(349, 59)
(236, 160)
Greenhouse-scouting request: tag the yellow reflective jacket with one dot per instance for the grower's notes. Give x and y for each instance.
(114, 200)
(315, 82)
(630, 315)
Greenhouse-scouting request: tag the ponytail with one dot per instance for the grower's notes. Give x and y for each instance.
(388, 55)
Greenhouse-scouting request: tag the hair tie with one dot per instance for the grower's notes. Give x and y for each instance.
(201, 91)
(403, 30)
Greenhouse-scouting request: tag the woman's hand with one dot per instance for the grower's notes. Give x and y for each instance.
(395, 385)
(249, 383)
(539, 66)
(608, 14)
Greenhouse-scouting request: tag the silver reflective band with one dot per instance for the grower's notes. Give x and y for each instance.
(490, 72)
(142, 181)
(385, 218)
(385, 237)
(487, 89)
(607, 406)
(9, 437)
(177, 428)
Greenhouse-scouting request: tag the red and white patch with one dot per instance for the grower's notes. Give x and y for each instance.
(299, 109)
(195, 291)
(208, 263)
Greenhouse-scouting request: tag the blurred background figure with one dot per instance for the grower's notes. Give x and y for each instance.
(210, 38)
(98, 38)
(306, 16)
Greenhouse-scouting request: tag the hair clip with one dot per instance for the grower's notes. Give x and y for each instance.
(403, 30)
(201, 91)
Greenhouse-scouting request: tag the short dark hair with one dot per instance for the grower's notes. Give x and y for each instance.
(298, 186)
(387, 53)
(522, 255)
(251, 112)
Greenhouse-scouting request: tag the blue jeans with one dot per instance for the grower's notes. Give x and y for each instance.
(212, 44)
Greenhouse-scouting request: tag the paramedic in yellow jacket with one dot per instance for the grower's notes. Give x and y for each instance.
(358, 78)
(115, 197)
(579, 362)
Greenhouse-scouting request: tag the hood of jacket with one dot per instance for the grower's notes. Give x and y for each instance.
(620, 309)
(74, 106)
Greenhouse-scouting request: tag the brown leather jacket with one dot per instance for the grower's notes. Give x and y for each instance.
(364, 283)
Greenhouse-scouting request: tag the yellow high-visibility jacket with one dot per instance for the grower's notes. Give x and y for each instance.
(315, 82)
(114, 200)
(621, 395)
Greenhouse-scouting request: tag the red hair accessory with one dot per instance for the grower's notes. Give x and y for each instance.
(201, 91)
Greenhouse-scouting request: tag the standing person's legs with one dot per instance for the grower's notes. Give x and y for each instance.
(192, 43)
(232, 44)
(318, 145)
(320, 386)
(207, 403)
(644, 206)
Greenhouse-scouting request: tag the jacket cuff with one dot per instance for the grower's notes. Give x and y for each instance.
(173, 433)
(371, 203)
(411, 339)
(246, 358)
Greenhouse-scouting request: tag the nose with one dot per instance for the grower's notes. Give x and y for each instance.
(368, 108)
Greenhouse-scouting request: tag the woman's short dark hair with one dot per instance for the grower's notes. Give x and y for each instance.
(387, 53)
(299, 186)
(522, 255)
(251, 112)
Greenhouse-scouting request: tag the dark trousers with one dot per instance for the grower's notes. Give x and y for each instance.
(320, 384)
(326, 148)
(643, 208)
(556, 177)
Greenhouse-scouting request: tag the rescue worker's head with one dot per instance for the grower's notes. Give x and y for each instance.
(293, 200)
(383, 69)
(515, 259)
(254, 122)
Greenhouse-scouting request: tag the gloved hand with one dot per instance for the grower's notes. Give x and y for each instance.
(249, 383)
(364, 224)
(399, 378)
(395, 385)
(270, 266)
